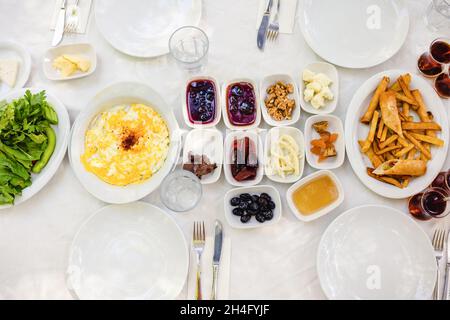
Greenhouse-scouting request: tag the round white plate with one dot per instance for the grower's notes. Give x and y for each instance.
(354, 33)
(143, 28)
(62, 130)
(13, 50)
(355, 130)
(376, 252)
(133, 251)
(117, 94)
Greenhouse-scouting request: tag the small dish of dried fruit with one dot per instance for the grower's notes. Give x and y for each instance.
(325, 145)
(279, 100)
(203, 154)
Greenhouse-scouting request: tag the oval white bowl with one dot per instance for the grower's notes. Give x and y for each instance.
(218, 99)
(116, 94)
(298, 137)
(235, 222)
(334, 126)
(224, 105)
(62, 130)
(14, 50)
(331, 72)
(227, 158)
(322, 211)
(355, 130)
(84, 50)
(207, 142)
(264, 85)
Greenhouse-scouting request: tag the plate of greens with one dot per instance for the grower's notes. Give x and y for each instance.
(34, 131)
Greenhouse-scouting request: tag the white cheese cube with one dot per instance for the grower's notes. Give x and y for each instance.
(308, 75)
(322, 79)
(316, 86)
(326, 93)
(8, 71)
(318, 101)
(308, 94)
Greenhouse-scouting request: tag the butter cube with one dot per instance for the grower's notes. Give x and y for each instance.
(66, 67)
(82, 64)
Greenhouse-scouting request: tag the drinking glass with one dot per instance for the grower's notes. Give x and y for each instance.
(432, 203)
(181, 191)
(437, 15)
(189, 47)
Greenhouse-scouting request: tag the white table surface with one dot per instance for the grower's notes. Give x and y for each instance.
(268, 263)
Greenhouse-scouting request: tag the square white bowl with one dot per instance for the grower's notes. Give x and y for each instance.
(218, 99)
(84, 50)
(322, 211)
(225, 107)
(298, 137)
(208, 142)
(330, 71)
(228, 156)
(235, 221)
(334, 126)
(268, 81)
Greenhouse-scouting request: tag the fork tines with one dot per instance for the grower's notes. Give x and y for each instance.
(199, 231)
(439, 239)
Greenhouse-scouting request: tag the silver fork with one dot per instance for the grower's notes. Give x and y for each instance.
(199, 246)
(72, 19)
(274, 26)
(438, 244)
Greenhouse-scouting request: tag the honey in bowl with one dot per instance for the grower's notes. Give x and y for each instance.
(315, 195)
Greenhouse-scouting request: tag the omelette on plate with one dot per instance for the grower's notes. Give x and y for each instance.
(126, 144)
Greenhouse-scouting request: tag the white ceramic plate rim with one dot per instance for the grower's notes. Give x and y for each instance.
(352, 211)
(39, 181)
(347, 63)
(161, 211)
(356, 158)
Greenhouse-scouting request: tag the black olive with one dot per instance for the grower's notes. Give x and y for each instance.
(265, 196)
(243, 205)
(245, 196)
(271, 205)
(252, 212)
(253, 206)
(260, 218)
(255, 198)
(246, 108)
(263, 202)
(268, 214)
(235, 201)
(238, 212)
(245, 218)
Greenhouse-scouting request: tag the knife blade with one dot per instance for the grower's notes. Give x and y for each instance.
(446, 293)
(60, 24)
(218, 239)
(262, 31)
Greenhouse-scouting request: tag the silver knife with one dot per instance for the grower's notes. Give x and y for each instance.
(262, 31)
(446, 293)
(60, 24)
(218, 239)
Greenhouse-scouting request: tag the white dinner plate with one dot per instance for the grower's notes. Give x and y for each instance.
(114, 95)
(13, 50)
(143, 28)
(355, 130)
(133, 251)
(354, 33)
(62, 131)
(376, 252)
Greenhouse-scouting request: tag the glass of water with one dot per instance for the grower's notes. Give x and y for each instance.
(189, 47)
(438, 15)
(181, 191)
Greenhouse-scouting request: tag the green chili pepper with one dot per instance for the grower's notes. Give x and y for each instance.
(51, 143)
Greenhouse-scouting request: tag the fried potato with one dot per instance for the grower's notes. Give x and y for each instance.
(373, 105)
(429, 139)
(421, 126)
(419, 146)
(371, 135)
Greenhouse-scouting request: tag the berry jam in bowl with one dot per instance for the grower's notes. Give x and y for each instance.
(201, 102)
(240, 104)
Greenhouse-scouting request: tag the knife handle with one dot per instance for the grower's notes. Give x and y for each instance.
(214, 284)
(446, 291)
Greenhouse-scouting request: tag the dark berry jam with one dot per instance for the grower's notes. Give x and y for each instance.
(241, 104)
(201, 101)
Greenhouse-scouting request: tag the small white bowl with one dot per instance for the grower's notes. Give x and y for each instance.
(225, 107)
(208, 142)
(15, 51)
(265, 84)
(298, 137)
(322, 211)
(334, 126)
(228, 156)
(82, 50)
(235, 221)
(330, 71)
(218, 110)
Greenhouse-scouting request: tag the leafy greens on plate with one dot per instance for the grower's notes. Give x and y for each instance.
(27, 142)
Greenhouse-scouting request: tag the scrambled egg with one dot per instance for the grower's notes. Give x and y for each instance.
(127, 144)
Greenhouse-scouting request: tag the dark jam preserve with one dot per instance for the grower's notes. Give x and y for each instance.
(241, 104)
(201, 101)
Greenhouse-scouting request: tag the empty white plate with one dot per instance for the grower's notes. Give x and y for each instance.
(133, 251)
(376, 252)
(15, 51)
(354, 33)
(143, 28)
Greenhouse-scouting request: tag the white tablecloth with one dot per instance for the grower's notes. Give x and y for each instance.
(267, 263)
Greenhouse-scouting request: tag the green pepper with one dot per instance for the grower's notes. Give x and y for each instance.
(51, 143)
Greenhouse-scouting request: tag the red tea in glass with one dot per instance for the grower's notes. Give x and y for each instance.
(442, 85)
(440, 51)
(428, 66)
